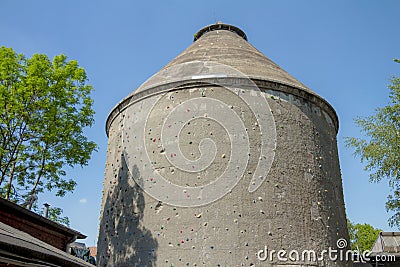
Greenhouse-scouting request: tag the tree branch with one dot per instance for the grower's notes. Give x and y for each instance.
(42, 165)
(9, 186)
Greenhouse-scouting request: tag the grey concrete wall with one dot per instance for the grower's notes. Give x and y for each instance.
(297, 206)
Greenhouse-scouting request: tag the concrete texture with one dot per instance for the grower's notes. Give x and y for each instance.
(218, 155)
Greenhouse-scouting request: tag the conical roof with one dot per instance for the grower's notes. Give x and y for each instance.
(226, 44)
(223, 45)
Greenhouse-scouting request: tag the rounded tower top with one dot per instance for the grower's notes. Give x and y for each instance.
(219, 26)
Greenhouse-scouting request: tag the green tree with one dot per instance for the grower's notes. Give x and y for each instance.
(55, 214)
(44, 107)
(362, 236)
(381, 151)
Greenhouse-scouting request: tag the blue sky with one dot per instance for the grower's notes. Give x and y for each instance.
(341, 49)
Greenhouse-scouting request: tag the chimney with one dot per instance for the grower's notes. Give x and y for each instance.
(46, 210)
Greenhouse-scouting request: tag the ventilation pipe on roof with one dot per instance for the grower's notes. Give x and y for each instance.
(46, 210)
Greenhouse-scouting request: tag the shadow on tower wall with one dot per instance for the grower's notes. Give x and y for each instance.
(123, 239)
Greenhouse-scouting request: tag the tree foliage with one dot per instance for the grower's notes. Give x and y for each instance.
(362, 236)
(44, 107)
(55, 214)
(381, 151)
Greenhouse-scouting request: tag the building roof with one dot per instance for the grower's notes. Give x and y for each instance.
(215, 46)
(38, 226)
(21, 249)
(388, 242)
(227, 45)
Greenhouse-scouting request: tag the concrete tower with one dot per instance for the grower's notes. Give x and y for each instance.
(220, 159)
